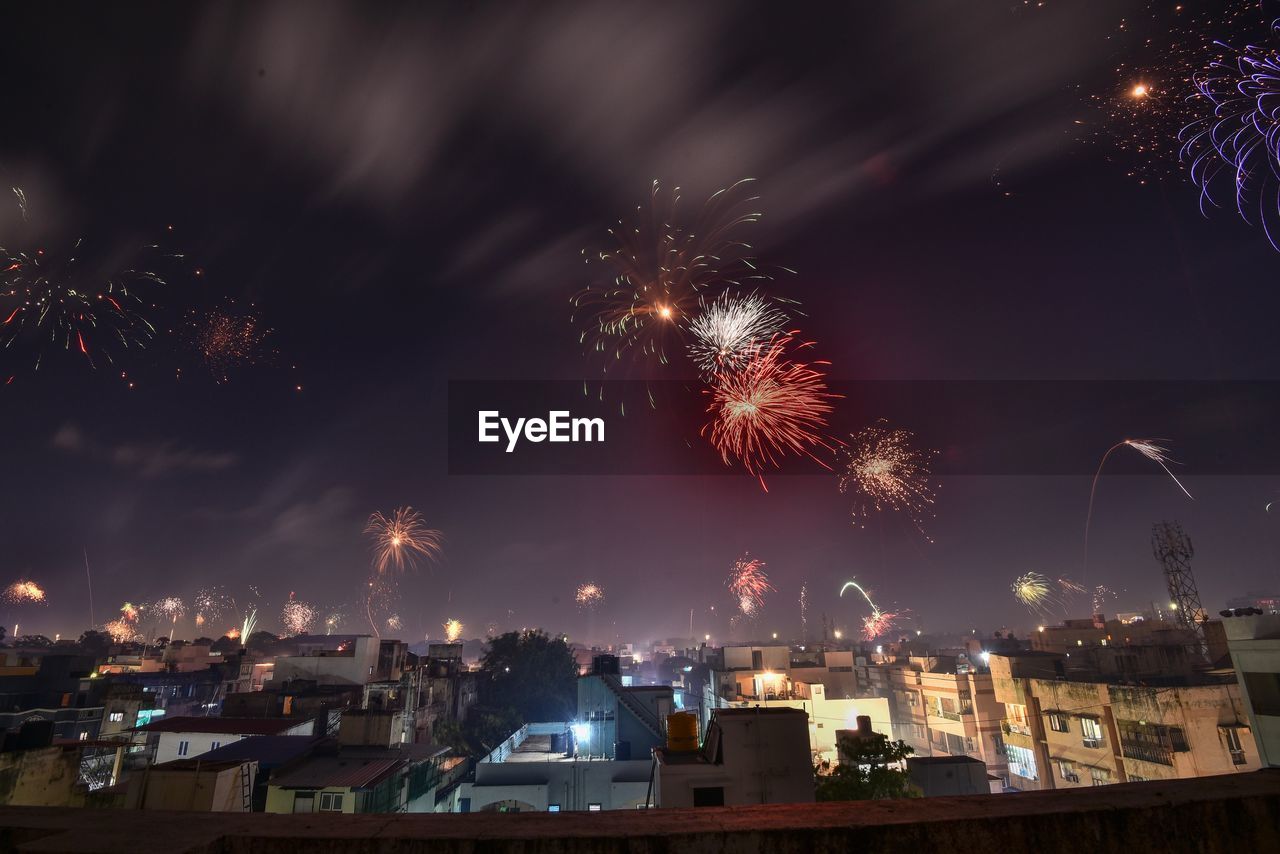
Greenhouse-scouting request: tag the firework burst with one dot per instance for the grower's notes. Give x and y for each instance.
(1099, 598)
(24, 592)
(399, 541)
(771, 408)
(660, 265)
(884, 470)
(589, 596)
(64, 300)
(129, 612)
(453, 630)
(1154, 96)
(1035, 592)
(227, 340)
(729, 330)
(121, 630)
(333, 621)
(749, 584)
(297, 616)
(394, 623)
(1233, 147)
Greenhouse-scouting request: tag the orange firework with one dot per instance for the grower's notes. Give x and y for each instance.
(399, 541)
(121, 630)
(772, 407)
(23, 591)
(589, 595)
(453, 630)
(227, 340)
(884, 470)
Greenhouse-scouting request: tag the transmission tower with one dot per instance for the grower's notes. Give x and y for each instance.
(1172, 547)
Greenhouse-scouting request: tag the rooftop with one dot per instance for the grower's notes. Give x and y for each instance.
(230, 726)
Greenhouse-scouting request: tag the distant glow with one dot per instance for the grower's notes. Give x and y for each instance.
(1140, 91)
(581, 732)
(986, 657)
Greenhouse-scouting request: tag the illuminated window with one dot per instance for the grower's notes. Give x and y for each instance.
(1022, 762)
(1092, 732)
(553, 808)
(593, 807)
(116, 717)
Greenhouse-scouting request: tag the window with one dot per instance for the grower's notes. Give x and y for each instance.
(331, 802)
(708, 796)
(183, 747)
(1099, 776)
(1022, 762)
(1067, 771)
(596, 807)
(1092, 732)
(757, 659)
(1058, 722)
(116, 717)
(1232, 738)
(215, 745)
(306, 802)
(84, 736)
(553, 808)
(1017, 718)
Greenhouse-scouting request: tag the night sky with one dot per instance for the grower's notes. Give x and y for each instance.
(403, 191)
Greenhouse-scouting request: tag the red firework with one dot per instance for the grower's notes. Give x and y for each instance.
(748, 583)
(774, 406)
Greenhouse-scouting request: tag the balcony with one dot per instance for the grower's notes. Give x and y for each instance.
(1147, 753)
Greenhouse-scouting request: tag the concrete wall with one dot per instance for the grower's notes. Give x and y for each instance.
(1221, 815)
(574, 785)
(219, 790)
(41, 777)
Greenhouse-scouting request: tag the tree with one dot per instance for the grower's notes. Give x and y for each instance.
(482, 731)
(225, 645)
(96, 643)
(261, 641)
(869, 769)
(530, 673)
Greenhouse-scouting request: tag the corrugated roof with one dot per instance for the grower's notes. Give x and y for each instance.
(338, 772)
(229, 726)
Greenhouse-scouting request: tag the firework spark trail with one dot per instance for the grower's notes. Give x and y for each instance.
(297, 616)
(748, 584)
(589, 596)
(1233, 141)
(24, 591)
(883, 470)
(399, 541)
(804, 611)
(730, 329)
(878, 622)
(772, 407)
(453, 630)
(660, 266)
(1035, 592)
(1149, 448)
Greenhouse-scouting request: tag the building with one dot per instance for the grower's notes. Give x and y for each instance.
(540, 769)
(350, 777)
(749, 756)
(169, 739)
(940, 705)
(1066, 729)
(1254, 644)
(615, 721)
(936, 776)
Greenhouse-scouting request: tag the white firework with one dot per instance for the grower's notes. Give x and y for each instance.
(728, 330)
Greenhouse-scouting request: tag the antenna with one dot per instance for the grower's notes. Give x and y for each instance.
(1172, 547)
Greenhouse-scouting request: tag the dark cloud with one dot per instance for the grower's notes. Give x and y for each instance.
(148, 460)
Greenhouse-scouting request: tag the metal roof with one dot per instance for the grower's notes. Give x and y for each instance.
(338, 772)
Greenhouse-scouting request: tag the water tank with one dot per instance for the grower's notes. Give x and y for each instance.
(682, 731)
